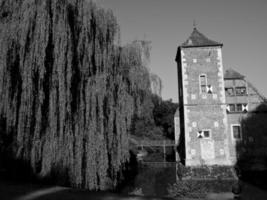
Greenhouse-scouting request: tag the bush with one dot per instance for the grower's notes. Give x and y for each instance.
(192, 189)
(200, 188)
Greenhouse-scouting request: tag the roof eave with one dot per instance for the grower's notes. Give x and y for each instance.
(194, 46)
(239, 78)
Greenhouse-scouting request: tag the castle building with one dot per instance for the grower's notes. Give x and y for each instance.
(212, 104)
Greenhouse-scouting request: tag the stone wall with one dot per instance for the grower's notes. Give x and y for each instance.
(204, 111)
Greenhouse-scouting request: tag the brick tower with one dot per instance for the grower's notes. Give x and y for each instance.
(204, 136)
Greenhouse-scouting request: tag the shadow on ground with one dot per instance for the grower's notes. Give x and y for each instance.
(10, 190)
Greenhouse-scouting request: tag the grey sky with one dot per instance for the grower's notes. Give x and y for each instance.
(241, 25)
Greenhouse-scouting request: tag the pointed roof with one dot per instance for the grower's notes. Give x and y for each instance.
(197, 39)
(232, 74)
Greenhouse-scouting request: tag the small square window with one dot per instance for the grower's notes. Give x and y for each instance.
(238, 107)
(240, 91)
(206, 133)
(232, 107)
(229, 91)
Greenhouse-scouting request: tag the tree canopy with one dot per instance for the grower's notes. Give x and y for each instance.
(68, 91)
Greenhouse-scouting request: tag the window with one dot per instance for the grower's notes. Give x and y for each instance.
(240, 91)
(203, 83)
(204, 134)
(203, 89)
(229, 91)
(231, 107)
(239, 108)
(236, 131)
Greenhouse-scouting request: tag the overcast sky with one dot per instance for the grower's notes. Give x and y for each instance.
(241, 25)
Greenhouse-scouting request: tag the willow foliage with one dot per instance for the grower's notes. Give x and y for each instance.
(68, 92)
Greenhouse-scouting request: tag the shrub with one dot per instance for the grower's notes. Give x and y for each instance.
(192, 189)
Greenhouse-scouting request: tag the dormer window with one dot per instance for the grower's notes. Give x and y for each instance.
(229, 91)
(240, 91)
(203, 83)
(235, 91)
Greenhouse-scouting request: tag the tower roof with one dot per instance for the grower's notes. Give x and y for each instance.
(197, 39)
(232, 74)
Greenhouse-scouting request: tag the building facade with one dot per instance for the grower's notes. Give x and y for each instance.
(212, 104)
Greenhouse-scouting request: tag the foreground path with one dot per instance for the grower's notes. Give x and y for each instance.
(10, 190)
(26, 191)
(41, 193)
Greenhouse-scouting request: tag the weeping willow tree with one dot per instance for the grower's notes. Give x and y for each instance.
(68, 92)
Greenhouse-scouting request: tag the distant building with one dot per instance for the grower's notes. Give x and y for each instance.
(212, 104)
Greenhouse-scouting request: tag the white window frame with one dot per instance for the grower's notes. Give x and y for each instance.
(232, 132)
(206, 83)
